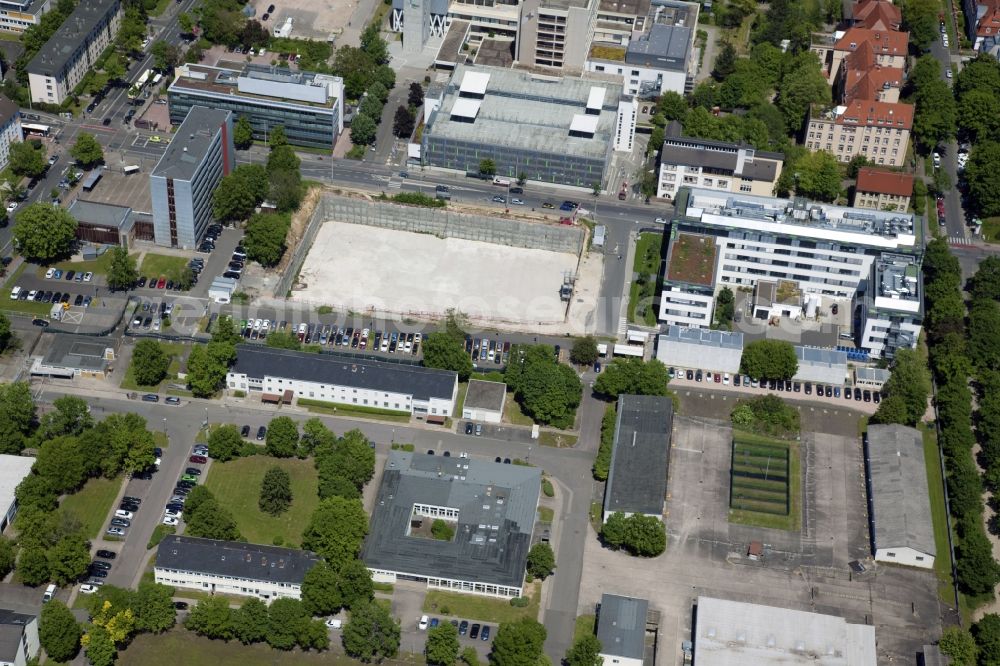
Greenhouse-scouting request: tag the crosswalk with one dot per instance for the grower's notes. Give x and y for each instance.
(959, 240)
(622, 326)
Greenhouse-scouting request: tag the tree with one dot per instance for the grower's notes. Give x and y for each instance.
(205, 373)
(363, 130)
(283, 340)
(725, 61)
(518, 643)
(355, 584)
(58, 631)
(444, 351)
(250, 621)
(769, 359)
(60, 461)
(114, 67)
(442, 645)
(44, 231)
(817, 176)
(243, 133)
(186, 22)
(403, 123)
(153, 606)
(285, 190)
(33, 565)
(958, 644)
(985, 284)
(282, 437)
(86, 150)
(356, 68)
(225, 442)
(976, 568)
(935, 115)
(123, 272)
(211, 521)
(920, 18)
(371, 633)
(548, 391)
(275, 491)
(487, 167)
(986, 633)
(541, 561)
(316, 437)
(7, 556)
(982, 172)
(640, 535)
(321, 590)
(99, 646)
(441, 530)
(354, 458)
(240, 192)
(265, 238)
(212, 618)
(26, 160)
(69, 559)
(801, 87)
(586, 651)
(17, 413)
(373, 44)
(165, 55)
(633, 376)
(286, 622)
(415, 97)
(198, 496)
(910, 383)
(277, 138)
(725, 308)
(371, 106)
(855, 165)
(149, 362)
(336, 529)
(584, 351)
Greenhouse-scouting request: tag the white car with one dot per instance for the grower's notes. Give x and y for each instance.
(115, 531)
(122, 513)
(88, 588)
(170, 520)
(11, 206)
(49, 273)
(424, 621)
(137, 322)
(170, 513)
(661, 220)
(88, 276)
(156, 325)
(157, 461)
(517, 202)
(334, 623)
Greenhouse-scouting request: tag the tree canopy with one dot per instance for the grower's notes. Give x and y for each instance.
(58, 631)
(336, 529)
(541, 561)
(547, 390)
(442, 645)
(371, 633)
(86, 150)
(44, 231)
(638, 534)
(149, 362)
(275, 491)
(769, 359)
(123, 272)
(518, 643)
(447, 352)
(282, 437)
(632, 376)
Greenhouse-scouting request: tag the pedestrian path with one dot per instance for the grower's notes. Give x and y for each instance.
(959, 240)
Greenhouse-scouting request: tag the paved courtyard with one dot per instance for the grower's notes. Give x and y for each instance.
(706, 555)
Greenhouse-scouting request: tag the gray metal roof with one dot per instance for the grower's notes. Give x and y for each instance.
(234, 558)
(621, 626)
(71, 37)
(827, 366)
(78, 352)
(93, 177)
(93, 212)
(901, 506)
(12, 626)
(7, 110)
(663, 47)
(683, 347)
(637, 480)
(872, 374)
(190, 143)
(485, 395)
(496, 506)
(422, 383)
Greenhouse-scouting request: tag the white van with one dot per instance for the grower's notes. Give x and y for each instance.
(50, 592)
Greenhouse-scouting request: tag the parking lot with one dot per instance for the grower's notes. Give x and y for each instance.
(808, 570)
(838, 399)
(312, 19)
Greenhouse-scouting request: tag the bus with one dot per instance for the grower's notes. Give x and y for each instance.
(37, 130)
(137, 87)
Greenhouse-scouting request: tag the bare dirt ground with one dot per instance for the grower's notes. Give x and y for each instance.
(312, 19)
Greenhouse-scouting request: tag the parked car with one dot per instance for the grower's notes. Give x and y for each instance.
(106, 554)
(261, 433)
(201, 460)
(115, 531)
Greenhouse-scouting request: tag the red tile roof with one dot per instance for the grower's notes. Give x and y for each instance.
(876, 15)
(989, 24)
(882, 42)
(884, 182)
(877, 114)
(869, 82)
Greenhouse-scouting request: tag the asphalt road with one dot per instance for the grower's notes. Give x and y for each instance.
(955, 227)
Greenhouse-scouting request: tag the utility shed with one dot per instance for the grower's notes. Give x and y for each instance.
(637, 480)
(621, 628)
(899, 506)
(484, 401)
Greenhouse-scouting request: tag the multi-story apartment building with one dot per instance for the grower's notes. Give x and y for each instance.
(200, 153)
(716, 165)
(19, 644)
(883, 190)
(889, 313)
(888, 48)
(555, 34)
(557, 130)
(10, 128)
(69, 54)
(876, 15)
(878, 130)
(309, 106)
(19, 15)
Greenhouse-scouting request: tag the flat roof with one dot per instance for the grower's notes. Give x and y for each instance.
(526, 111)
(872, 374)
(637, 480)
(13, 470)
(690, 347)
(94, 212)
(474, 82)
(733, 632)
(190, 144)
(485, 395)
(422, 383)
(72, 36)
(621, 626)
(901, 506)
(78, 352)
(234, 559)
(496, 506)
(664, 46)
(827, 366)
(691, 258)
(233, 82)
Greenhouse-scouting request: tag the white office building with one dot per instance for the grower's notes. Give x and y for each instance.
(891, 309)
(680, 307)
(283, 374)
(19, 15)
(232, 567)
(10, 129)
(13, 470)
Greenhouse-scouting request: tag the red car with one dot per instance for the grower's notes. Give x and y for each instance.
(162, 283)
(717, 378)
(566, 220)
(201, 460)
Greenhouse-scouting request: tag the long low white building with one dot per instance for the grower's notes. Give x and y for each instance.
(232, 567)
(424, 392)
(13, 470)
(700, 349)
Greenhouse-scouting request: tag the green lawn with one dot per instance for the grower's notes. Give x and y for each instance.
(472, 607)
(512, 412)
(991, 229)
(791, 522)
(92, 503)
(647, 253)
(463, 388)
(546, 514)
(161, 265)
(99, 266)
(559, 440)
(359, 411)
(939, 516)
(175, 350)
(647, 263)
(586, 625)
(161, 6)
(236, 484)
(28, 307)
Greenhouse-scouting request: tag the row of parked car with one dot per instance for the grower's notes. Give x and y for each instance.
(474, 631)
(361, 339)
(40, 296)
(827, 390)
(70, 276)
(174, 509)
(488, 351)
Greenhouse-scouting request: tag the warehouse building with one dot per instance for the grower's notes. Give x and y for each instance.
(73, 49)
(490, 508)
(19, 643)
(308, 105)
(411, 389)
(700, 348)
(181, 184)
(621, 628)
(484, 401)
(821, 366)
(232, 567)
(13, 470)
(732, 632)
(640, 457)
(555, 130)
(899, 507)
